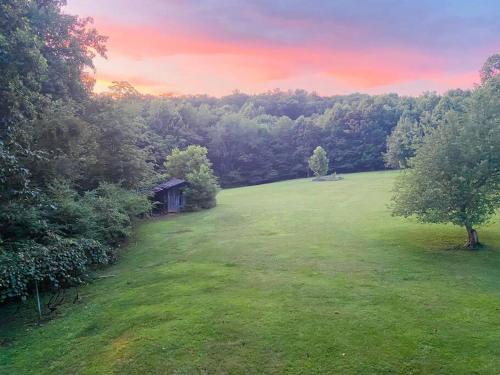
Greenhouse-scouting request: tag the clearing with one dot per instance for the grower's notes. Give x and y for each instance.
(290, 277)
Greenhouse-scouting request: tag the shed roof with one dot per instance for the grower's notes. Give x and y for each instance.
(169, 184)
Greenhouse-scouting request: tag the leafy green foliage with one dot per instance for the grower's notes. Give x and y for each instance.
(241, 149)
(455, 175)
(318, 162)
(402, 143)
(202, 188)
(43, 56)
(193, 165)
(114, 210)
(491, 68)
(60, 152)
(262, 138)
(121, 156)
(57, 237)
(415, 123)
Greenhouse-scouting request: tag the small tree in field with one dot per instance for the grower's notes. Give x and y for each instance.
(455, 175)
(318, 162)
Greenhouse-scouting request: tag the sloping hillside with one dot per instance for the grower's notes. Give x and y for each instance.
(295, 277)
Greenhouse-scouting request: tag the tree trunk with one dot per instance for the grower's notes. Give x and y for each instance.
(473, 239)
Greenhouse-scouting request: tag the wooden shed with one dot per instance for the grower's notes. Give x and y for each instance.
(169, 195)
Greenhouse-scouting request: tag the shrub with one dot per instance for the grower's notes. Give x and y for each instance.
(55, 238)
(202, 189)
(193, 165)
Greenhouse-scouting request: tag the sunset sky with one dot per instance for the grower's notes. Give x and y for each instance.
(327, 46)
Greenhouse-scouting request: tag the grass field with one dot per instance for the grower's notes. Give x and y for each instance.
(293, 277)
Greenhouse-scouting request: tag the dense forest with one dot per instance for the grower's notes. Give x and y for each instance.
(254, 139)
(75, 166)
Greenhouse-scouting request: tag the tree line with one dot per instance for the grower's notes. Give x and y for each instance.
(253, 139)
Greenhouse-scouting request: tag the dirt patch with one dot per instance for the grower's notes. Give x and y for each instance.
(185, 230)
(332, 177)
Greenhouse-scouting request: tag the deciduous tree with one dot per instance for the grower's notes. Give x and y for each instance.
(490, 68)
(455, 175)
(318, 162)
(193, 165)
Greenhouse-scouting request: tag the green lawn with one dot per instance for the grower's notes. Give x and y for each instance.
(292, 277)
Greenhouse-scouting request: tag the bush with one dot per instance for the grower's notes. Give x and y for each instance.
(202, 189)
(114, 210)
(55, 238)
(193, 165)
(61, 263)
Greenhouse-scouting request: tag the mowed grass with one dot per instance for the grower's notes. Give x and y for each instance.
(294, 277)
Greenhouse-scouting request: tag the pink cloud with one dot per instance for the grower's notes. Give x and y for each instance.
(215, 65)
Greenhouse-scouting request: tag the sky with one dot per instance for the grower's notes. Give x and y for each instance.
(327, 46)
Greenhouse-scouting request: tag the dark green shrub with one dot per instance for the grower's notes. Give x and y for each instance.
(202, 189)
(61, 263)
(114, 210)
(54, 238)
(193, 165)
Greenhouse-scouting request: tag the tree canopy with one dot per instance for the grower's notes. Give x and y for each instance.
(192, 165)
(491, 68)
(318, 162)
(455, 174)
